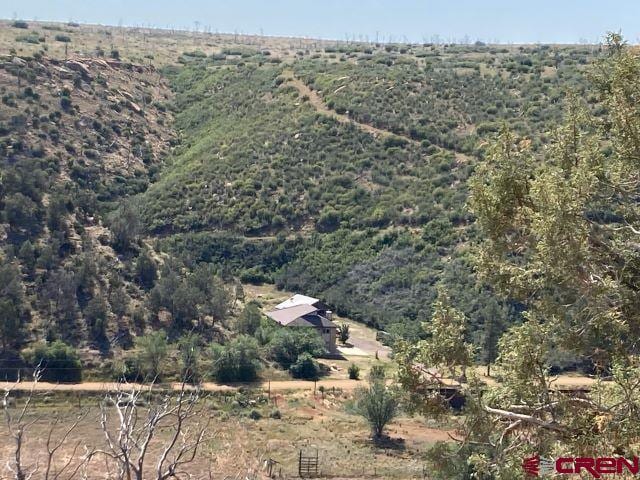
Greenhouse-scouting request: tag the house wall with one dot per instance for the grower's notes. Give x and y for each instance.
(329, 336)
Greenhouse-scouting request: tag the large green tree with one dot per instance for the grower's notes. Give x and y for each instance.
(560, 231)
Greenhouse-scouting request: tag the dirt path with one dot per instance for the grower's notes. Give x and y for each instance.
(97, 387)
(318, 103)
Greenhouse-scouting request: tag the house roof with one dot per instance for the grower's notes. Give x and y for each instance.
(284, 316)
(296, 300)
(313, 320)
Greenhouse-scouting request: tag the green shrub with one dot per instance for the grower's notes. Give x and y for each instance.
(287, 344)
(354, 372)
(59, 362)
(275, 414)
(255, 415)
(378, 405)
(238, 361)
(20, 24)
(305, 367)
(151, 354)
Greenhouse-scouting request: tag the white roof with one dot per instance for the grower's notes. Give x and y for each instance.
(296, 300)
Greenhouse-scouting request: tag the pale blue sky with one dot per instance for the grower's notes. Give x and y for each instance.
(509, 21)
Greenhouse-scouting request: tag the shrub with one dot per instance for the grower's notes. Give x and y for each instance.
(59, 362)
(249, 320)
(378, 405)
(238, 361)
(276, 414)
(146, 272)
(189, 348)
(305, 367)
(377, 373)
(255, 415)
(287, 344)
(63, 38)
(152, 350)
(343, 332)
(20, 24)
(354, 372)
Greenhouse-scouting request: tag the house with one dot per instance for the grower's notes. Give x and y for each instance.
(303, 311)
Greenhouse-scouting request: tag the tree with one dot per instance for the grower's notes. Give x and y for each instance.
(238, 361)
(151, 353)
(189, 348)
(146, 272)
(11, 305)
(57, 361)
(249, 320)
(287, 344)
(125, 226)
(343, 333)
(378, 405)
(27, 256)
(305, 367)
(128, 439)
(354, 372)
(10, 324)
(560, 234)
(96, 314)
(423, 364)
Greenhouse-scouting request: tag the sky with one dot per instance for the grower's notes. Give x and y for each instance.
(505, 21)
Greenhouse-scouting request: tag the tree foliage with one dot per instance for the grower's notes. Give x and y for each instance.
(560, 232)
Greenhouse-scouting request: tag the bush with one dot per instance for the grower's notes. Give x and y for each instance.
(275, 413)
(377, 373)
(305, 367)
(354, 372)
(59, 362)
(343, 333)
(255, 415)
(238, 361)
(378, 405)
(288, 344)
(20, 24)
(249, 320)
(63, 38)
(152, 350)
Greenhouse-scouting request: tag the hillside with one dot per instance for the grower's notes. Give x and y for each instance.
(342, 173)
(146, 173)
(76, 137)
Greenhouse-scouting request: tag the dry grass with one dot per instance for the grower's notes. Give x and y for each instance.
(237, 444)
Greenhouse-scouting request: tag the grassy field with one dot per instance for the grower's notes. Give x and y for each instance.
(240, 438)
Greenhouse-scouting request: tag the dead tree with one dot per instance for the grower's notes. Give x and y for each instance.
(19, 422)
(17, 426)
(129, 442)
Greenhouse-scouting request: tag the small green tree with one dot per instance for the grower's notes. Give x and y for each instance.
(95, 314)
(125, 226)
(151, 352)
(354, 372)
(189, 348)
(249, 320)
(146, 272)
(378, 405)
(343, 333)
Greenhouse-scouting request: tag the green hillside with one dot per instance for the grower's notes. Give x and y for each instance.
(278, 188)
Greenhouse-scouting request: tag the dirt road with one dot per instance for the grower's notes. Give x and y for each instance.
(97, 387)
(318, 103)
